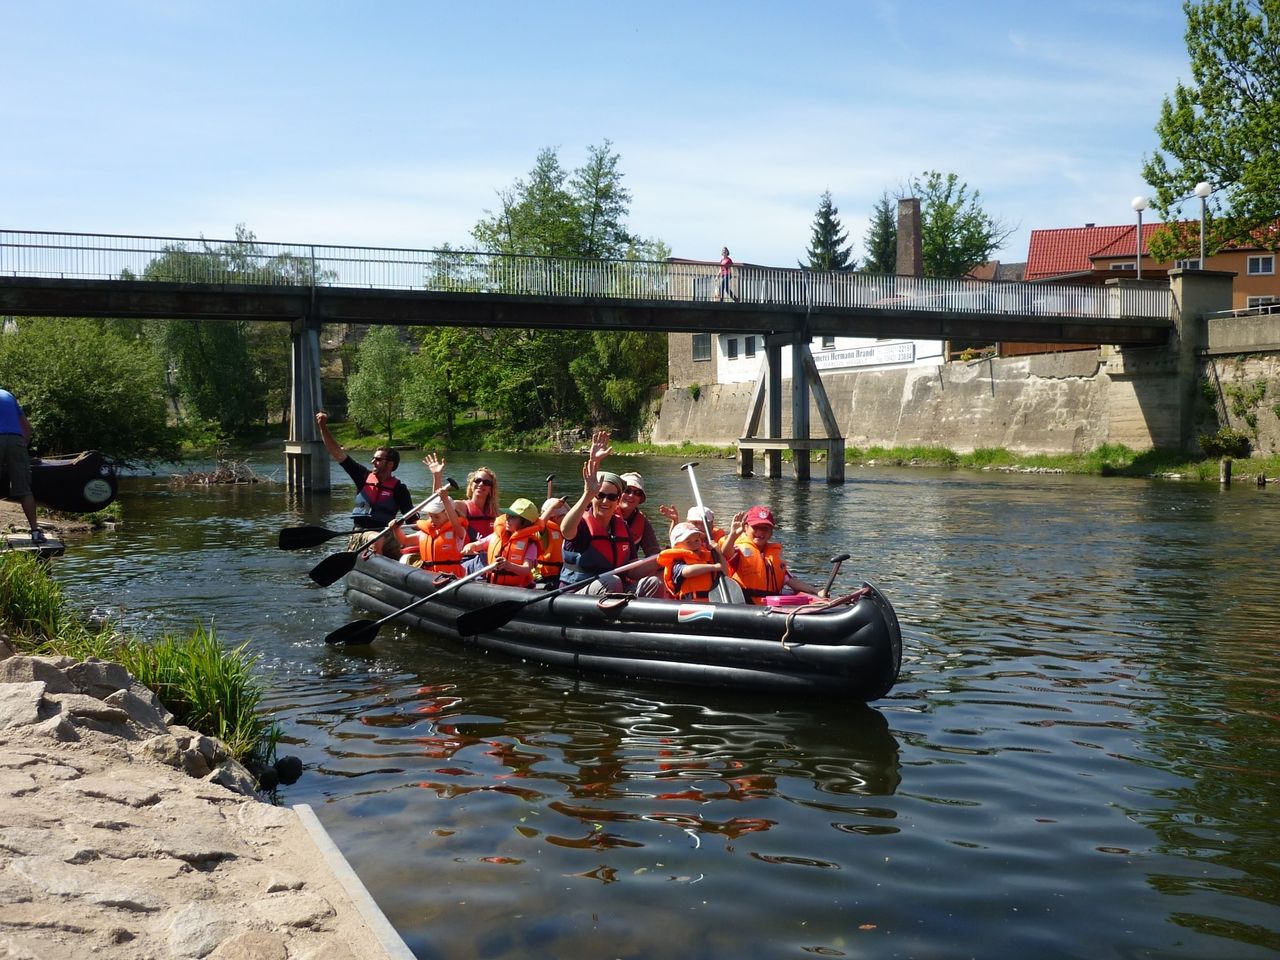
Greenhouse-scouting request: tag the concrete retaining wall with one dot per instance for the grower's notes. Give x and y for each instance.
(1048, 403)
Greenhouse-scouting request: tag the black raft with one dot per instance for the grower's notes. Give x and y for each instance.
(850, 647)
(80, 484)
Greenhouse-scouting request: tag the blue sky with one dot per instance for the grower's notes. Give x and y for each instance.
(396, 123)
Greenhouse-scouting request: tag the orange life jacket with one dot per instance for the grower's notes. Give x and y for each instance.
(508, 544)
(759, 575)
(690, 588)
(440, 547)
(551, 556)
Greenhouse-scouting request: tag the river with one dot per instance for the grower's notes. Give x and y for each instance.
(1080, 758)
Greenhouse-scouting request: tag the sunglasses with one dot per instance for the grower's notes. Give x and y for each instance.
(482, 482)
(377, 459)
(608, 497)
(633, 492)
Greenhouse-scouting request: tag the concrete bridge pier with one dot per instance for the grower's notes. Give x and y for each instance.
(767, 399)
(306, 460)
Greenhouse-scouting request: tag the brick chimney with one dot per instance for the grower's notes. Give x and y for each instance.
(910, 260)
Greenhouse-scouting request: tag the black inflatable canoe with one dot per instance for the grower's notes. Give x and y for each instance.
(80, 484)
(851, 648)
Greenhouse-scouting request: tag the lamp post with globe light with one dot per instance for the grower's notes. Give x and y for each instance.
(1139, 204)
(1203, 189)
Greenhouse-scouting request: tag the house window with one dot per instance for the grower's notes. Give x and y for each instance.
(1130, 265)
(828, 343)
(731, 348)
(748, 347)
(1193, 264)
(1262, 265)
(702, 346)
(1262, 301)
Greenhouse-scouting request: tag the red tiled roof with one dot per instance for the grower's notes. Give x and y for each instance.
(1123, 244)
(1063, 250)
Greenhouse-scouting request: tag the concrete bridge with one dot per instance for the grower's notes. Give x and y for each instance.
(306, 285)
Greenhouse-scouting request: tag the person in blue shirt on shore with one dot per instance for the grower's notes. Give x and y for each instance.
(15, 460)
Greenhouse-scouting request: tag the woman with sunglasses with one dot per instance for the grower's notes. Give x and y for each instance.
(481, 505)
(380, 494)
(596, 539)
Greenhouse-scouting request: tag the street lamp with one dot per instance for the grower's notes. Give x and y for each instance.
(1139, 204)
(1202, 191)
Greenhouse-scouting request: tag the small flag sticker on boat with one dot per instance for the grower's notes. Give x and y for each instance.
(695, 611)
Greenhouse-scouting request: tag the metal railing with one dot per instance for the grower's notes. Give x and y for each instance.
(199, 260)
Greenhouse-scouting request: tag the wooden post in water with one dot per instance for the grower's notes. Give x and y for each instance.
(1224, 471)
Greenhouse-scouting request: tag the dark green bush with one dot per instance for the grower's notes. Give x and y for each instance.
(1226, 443)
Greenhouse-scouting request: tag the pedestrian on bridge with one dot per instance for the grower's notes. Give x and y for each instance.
(726, 267)
(15, 460)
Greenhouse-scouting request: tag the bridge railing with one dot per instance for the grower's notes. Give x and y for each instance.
(249, 261)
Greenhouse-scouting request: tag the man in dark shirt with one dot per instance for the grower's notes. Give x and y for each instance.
(379, 493)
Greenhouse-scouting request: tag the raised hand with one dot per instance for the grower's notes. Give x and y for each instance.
(670, 512)
(434, 464)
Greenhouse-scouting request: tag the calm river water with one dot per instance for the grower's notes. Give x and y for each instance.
(1080, 759)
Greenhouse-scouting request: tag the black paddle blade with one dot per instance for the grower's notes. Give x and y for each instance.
(496, 615)
(357, 633)
(333, 568)
(295, 538)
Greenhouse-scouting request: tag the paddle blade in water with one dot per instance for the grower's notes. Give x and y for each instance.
(333, 568)
(295, 538)
(488, 618)
(357, 633)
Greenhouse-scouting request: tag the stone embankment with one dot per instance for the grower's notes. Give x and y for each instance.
(124, 836)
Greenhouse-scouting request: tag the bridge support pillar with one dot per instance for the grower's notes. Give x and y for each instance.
(306, 460)
(767, 399)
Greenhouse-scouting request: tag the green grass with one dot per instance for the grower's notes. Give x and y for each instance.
(205, 686)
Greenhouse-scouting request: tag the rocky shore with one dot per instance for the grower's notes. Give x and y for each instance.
(124, 836)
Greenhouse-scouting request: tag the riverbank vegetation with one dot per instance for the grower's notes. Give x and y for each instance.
(207, 687)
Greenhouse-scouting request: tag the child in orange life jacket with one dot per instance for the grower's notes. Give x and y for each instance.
(436, 542)
(688, 568)
(551, 542)
(514, 543)
(695, 516)
(756, 561)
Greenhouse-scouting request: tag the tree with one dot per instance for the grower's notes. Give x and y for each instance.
(83, 386)
(555, 213)
(1224, 128)
(828, 247)
(956, 234)
(881, 243)
(231, 372)
(376, 390)
(448, 374)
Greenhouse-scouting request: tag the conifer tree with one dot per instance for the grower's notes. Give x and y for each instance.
(881, 243)
(828, 248)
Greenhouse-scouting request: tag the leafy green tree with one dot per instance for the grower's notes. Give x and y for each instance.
(449, 373)
(881, 243)
(84, 386)
(1223, 127)
(956, 234)
(376, 389)
(531, 377)
(617, 371)
(828, 245)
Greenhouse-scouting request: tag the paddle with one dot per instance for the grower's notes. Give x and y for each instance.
(726, 589)
(498, 614)
(359, 633)
(836, 561)
(337, 565)
(295, 538)
(551, 477)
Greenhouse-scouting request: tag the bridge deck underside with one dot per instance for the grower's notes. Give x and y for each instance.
(21, 296)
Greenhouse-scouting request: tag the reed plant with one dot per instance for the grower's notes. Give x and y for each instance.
(205, 686)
